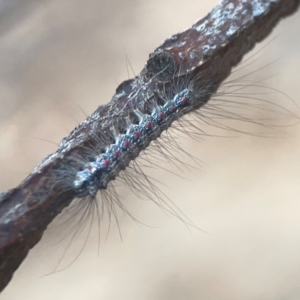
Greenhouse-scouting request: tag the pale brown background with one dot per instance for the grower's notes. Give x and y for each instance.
(61, 57)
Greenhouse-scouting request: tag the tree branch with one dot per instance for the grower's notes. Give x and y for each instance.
(211, 47)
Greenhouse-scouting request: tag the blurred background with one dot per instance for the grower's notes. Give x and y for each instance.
(60, 60)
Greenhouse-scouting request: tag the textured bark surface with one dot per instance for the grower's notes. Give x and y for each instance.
(212, 46)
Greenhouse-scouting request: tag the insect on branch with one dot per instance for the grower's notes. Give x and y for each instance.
(208, 51)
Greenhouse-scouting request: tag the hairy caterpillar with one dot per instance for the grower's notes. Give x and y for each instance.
(106, 167)
(220, 147)
(118, 149)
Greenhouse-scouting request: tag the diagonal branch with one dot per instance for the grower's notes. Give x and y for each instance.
(210, 48)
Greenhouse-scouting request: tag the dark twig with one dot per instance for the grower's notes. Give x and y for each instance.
(211, 47)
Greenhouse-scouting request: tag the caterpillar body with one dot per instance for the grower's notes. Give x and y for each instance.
(127, 146)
